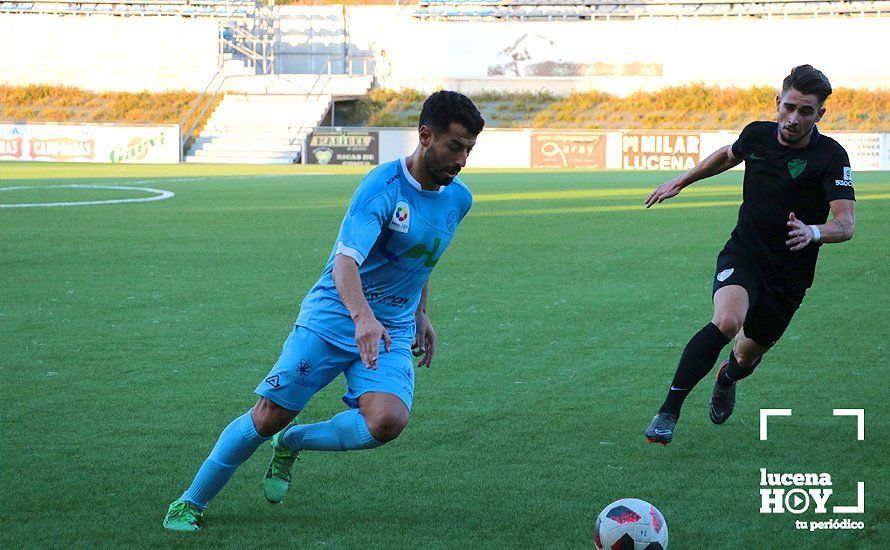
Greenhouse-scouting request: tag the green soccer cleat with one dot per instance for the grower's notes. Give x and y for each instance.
(277, 480)
(184, 516)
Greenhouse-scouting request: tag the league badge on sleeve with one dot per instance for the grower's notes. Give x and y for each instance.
(401, 218)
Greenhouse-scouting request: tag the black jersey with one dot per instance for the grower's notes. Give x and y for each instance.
(780, 180)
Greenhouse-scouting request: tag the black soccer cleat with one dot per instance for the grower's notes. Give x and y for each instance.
(661, 430)
(722, 400)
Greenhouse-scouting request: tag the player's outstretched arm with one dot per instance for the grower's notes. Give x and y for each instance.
(717, 162)
(368, 330)
(425, 337)
(837, 230)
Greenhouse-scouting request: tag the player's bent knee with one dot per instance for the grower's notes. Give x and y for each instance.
(270, 418)
(386, 426)
(729, 325)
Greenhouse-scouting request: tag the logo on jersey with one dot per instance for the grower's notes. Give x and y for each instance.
(401, 218)
(723, 275)
(452, 221)
(420, 251)
(796, 166)
(848, 178)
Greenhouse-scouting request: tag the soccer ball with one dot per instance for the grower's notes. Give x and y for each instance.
(630, 524)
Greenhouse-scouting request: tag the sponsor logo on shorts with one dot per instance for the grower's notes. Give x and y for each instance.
(406, 373)
(401, 218)
(285, 378)
(304, 367)
(723, 275)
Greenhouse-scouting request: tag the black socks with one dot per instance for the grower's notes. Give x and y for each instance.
(734, 372)
(697, 360)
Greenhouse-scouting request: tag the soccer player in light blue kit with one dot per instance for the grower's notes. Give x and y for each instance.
(363, 318)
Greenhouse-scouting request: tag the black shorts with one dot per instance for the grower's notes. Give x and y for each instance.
(769, 310)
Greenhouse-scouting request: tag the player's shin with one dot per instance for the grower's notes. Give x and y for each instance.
(235, 445)
(697, 360)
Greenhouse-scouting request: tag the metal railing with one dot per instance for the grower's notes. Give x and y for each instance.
(258, 51)
(348, 65)
(219, 78)
(253, 39)
(300, 132)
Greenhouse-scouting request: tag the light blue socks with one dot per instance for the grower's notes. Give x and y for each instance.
(346, 431)
(236, 443)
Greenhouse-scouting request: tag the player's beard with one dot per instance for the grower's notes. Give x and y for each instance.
(438, 170)
(794, 137)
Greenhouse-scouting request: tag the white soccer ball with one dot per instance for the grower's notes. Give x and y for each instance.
(630, 524)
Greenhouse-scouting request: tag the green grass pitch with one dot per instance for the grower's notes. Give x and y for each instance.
(131, 334)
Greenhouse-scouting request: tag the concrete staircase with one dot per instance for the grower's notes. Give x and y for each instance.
(263, 119)
(258, 129)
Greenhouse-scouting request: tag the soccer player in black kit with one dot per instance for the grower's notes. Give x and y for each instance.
(793, 176)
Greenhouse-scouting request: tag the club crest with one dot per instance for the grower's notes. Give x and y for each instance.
(796, 166)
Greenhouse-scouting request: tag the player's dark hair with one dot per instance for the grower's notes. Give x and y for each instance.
(808, 81)
(444, 107)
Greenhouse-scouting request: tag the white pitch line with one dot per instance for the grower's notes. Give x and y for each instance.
(161, 195)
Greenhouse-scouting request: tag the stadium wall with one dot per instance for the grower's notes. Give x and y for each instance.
(495, 148)
(609, 150)
(107, 143)
(108, 53)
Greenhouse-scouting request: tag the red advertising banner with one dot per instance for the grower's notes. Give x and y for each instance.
(62, 148)
(568, 150)
(11, 147)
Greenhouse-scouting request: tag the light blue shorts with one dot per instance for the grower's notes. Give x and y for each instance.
(308, 363)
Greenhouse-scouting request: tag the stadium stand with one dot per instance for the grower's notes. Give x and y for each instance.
(180, 8)
(265, 123)
(554, 10)
(258, 128)
(264, 115)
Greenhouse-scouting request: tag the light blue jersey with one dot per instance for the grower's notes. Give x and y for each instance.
(396, 232)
